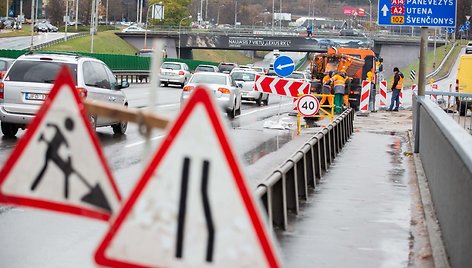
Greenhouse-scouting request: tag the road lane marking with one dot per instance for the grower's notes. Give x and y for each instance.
(141, 142)
(263, 109)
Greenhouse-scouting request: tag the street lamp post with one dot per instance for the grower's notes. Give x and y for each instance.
(218, 16)
(370, 17)
(180, 26)
(235, 12)
(147, 21)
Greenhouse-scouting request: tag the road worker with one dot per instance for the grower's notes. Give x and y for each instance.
(339, 85)
(397, 86)
(370, 78)
(326, 89)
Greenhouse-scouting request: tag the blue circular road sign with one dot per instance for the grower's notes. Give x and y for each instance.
(284, 66)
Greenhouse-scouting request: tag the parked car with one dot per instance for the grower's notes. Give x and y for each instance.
(227, 94)
(468, 48)
(41, 27)
(226, 67)
(176, 73)
(5, 63)
(246, 79)
(30, 78)
(206, 68)
(51, 28)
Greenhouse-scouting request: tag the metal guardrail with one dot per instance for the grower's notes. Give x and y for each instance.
(435, 72)
(57, 41)
(455, 104)
(135, 77)
(283, 190)
(446, 156)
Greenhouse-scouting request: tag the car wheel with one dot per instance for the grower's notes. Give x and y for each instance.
(232, 113)
(9, 130)
(266, 101)
(259, 100)
(463, 109)
(120, 128)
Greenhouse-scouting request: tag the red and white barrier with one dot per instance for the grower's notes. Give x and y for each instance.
(365, 94)
(281, 86)
(383, 93)
(295, 105)
(414, 88)
(434, 87)
(400, 99)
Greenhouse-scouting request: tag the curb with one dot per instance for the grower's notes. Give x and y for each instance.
(440, 257)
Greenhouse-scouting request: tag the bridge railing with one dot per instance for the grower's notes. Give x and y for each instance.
(445, 150)
(455, 105)
(283, 190)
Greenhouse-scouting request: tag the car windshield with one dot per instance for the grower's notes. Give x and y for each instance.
(171, 66)
(38, 71)
(205, 69)
(296, 76)
(208, 79)
(242, 76)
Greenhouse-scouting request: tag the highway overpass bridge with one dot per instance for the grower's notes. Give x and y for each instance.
(386, 47)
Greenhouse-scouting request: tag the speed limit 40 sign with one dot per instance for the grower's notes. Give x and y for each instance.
(308, 105)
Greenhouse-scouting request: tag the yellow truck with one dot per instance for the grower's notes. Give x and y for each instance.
(464, 83)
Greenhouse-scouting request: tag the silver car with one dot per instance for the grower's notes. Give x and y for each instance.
(246, 79)
(176, 73)
(31, 77)
(227, 94)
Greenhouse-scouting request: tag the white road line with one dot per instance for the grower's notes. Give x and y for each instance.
(141, 142)
(263, 109)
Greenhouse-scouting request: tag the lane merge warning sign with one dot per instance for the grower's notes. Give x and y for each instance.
(192, 207)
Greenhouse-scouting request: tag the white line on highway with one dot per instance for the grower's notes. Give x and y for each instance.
(141, 142)
(263, 109)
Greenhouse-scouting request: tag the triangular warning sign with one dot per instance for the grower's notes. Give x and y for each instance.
(192, 207)
(58, 164)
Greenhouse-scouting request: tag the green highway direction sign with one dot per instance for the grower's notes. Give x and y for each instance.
(439, 13)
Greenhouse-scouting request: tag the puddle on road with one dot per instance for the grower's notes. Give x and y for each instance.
(397, 172)
(267, 147)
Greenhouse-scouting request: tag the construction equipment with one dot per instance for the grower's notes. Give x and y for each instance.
(356, 63)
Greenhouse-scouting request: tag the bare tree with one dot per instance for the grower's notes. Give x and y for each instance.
(56, 10)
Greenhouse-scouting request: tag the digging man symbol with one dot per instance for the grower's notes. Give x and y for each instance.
(95, 196)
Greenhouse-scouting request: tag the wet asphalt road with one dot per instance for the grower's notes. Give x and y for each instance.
(24, 42)
(40, 235)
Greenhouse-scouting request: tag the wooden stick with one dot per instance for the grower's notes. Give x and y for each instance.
(125, 114)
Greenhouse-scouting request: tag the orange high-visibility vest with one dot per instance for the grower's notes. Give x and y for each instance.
(338, 80)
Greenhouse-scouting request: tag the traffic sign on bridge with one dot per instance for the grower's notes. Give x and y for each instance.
(192, 207)
(417, 13)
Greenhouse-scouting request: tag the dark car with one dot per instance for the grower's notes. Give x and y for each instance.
(41, 27)
(227, 67)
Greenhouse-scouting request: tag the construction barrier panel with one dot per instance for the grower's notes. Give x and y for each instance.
(365, 95)
(383, 93)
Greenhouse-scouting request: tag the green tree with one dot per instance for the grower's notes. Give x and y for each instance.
(174, 11)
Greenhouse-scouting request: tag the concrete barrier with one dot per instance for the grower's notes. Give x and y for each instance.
(445, 150)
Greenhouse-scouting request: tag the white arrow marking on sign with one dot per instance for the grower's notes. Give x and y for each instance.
(384, 10)
(283, 66)
(272, 85)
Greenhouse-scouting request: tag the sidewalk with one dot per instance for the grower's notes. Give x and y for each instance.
(366, 212)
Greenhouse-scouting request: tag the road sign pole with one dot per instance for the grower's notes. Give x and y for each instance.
(422, 67)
